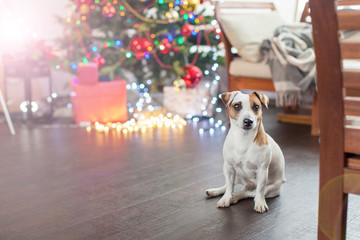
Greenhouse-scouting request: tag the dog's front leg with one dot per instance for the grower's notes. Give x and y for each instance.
(229, 174)
(262, 175)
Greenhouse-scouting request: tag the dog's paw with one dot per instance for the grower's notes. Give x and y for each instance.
(213, 192)
(223, 202)
(210, 193)
(234, 199)
(261, 206)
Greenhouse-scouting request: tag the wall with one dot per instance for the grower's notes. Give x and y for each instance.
(35, 16)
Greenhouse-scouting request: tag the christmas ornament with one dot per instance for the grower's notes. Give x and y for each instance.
(187, 29)
(108, 10)
(165, 47)
(190, 5)
(172, 15)
(179, 84)
(140, 46)
(193, 76)
(84, 9)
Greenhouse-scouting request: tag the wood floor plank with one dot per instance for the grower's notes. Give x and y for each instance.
(65, 183)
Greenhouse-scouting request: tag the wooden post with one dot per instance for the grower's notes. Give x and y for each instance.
(332, 200)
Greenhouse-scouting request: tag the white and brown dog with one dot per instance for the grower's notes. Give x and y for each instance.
(251, 157)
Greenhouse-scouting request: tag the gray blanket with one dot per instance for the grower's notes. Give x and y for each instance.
(291, 59)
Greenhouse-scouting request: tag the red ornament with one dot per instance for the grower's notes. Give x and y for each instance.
(187, 29)
(165, 47)
(140, 46)
(193, 76)
(108, 10)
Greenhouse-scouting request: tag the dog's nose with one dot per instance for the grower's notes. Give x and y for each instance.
(248, 122)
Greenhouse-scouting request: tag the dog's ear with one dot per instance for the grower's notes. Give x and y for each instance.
(225, 97)
(263, 98)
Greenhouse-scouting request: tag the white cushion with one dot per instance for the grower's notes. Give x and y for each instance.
(349, 64)
(246, 31)
(240, 67)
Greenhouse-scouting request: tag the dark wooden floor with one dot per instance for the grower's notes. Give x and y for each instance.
(66, 183)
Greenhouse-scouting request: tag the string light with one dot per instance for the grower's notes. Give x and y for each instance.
(212, 126)
(74, 66)
(143, 121)
(118, 42)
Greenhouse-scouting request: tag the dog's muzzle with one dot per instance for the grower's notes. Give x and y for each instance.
(247, 124)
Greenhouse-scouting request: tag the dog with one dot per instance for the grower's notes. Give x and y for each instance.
(251, 157)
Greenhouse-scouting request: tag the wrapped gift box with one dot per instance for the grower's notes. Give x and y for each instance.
(87, 74)
(101, 102)
(188, 101)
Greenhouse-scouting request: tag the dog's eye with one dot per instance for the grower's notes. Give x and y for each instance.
(237, 107)
(256, 107)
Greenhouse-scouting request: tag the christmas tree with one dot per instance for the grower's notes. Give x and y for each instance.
(157, 42)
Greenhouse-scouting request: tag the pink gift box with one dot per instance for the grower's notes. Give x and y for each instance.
(102, 102)
(87, 73)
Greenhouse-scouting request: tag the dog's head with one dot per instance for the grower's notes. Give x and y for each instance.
(245, 110)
